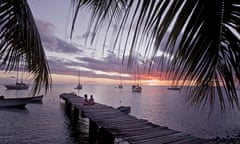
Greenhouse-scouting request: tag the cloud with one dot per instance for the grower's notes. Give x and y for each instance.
(67, 58)
(53, 43)
(45, 28)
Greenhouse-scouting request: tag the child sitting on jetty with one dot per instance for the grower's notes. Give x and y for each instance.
(91, 100)
(85, 100)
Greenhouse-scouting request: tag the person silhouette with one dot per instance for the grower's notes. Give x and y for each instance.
(91, 100)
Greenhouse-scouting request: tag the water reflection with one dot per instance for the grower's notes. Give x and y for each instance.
(76, 129)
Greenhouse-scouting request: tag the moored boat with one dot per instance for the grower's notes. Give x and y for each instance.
(17, 86)
(79, 86)
(36, 99)
(125, 109)
(174, 88)
(120, 86)
(13, 102)
(136, 88)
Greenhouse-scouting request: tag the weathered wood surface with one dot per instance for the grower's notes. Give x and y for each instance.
(127, 127)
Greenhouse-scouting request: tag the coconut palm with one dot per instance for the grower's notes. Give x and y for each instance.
(20, 43)
(203, 36)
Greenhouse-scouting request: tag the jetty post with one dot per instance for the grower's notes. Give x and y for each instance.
(93, 131)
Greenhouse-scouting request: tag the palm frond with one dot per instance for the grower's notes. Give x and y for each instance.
(202, 35)
(20, 42)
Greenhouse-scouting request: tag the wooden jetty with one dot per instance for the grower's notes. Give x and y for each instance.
(111, 123)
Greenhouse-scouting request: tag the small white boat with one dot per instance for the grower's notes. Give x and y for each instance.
(13, 102)
(125, 109)
(136, 88)
(79, 86)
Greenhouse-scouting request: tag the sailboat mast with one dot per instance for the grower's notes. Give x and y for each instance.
(138, 76)
(17, 76)
(18, 68)
(79, 76)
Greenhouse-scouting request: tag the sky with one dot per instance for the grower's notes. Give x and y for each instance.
(97, 63)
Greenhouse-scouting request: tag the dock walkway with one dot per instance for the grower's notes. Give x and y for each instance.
(116, 124)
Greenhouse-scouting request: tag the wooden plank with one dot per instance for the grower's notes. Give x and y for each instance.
(190, 140)
(116, 121)
(134, 132)
(91, 107)
(107, 119)
(150, 135)
(121, 133)
(124, 120)
(138, 131)
(96, 116)
(132, 129)
(126, 125)
(103, 112)
(164, 139)
(122, 130)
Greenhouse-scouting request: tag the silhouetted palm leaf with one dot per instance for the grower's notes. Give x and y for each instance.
(202, 35)
(20, 42)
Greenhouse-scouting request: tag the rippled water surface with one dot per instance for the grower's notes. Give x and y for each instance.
(49, 123)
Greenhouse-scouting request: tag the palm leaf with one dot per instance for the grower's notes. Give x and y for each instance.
(202, 35)
(21, 42)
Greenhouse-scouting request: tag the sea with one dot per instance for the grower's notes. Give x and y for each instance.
(48, 122)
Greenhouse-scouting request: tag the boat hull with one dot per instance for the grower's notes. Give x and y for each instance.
(16, 103)
(174, 88)
(136, 88)
(120, 86)
(18, 86)
(125, 109)
(19, 102)
(35, 99)
(79, 86)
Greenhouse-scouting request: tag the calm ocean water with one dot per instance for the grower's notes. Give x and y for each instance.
(48, 122)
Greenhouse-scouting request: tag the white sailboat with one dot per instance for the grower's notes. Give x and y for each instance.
(79, 85)
(136, 87)
(120, 86)
(18, 85)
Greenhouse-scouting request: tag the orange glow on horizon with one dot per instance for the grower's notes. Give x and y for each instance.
(72, 79)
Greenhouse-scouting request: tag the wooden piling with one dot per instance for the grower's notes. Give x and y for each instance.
(106, 137)
(93, 132)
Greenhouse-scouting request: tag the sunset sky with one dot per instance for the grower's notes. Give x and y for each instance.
(97, 63)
